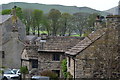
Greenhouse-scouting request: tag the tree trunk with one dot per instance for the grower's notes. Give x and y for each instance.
(27, 29)
(54, 29)
(23, 77)
(80, 33)
(38, 30)
(64, 29)
(33, 30)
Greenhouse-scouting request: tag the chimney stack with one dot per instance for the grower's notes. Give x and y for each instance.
(14, 19)
(13, 12)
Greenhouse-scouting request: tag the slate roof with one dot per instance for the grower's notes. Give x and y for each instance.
(59, 43)
(3, 18)
(91, 38)
(31, 37)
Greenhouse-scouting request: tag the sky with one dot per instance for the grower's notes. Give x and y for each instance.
(95, 4)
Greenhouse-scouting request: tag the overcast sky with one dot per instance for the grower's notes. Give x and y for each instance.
(95, 4)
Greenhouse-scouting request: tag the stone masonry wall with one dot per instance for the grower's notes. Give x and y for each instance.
(71, 67)
(45, 62)
(97, 56)
(11, 44)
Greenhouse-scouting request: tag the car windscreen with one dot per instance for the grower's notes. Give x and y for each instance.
(15, 71)
(8, 72)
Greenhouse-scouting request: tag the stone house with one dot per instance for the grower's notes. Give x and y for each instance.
(30, 52)
(97, 56)
(49, 54)
(12, 36)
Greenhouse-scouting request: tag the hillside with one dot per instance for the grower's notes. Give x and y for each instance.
(113, 10)
(47, 8)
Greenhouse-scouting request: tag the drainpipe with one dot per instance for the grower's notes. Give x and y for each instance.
(74, 67)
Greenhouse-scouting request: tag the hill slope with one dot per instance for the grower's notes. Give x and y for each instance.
(47, 8)
(113, 10)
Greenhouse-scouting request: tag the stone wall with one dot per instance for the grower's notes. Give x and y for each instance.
(1, 58)
(99, 58)
(71, 67)
(13, 50)
(12, 43)
(0, 45)
(25, 59)
(45, 62)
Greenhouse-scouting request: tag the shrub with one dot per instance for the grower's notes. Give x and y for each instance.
(24, 70)
(49, 73)
(69, 75)
(64, 68)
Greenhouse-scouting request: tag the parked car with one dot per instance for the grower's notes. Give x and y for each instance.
(10, 75)
(16, 71)
(40, 78)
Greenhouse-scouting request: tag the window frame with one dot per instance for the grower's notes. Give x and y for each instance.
(34, 63)
(3, 54)
(55, 57)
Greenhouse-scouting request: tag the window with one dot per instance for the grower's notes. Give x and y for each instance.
(56, 57)
(3, 54)
(57, 72)
(34, 63)
(69, 61)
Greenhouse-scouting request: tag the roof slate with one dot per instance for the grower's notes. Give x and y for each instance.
(59, 43)
(31, 37)
(3, 18)
(91, 38)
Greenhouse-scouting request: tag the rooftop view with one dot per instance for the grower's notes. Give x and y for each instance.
(59, 40)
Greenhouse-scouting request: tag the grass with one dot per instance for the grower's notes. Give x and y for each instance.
(39, 32)
(76, 35)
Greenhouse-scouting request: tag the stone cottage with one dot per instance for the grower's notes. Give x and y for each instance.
(30, 53)
(97, 56)
(49, 54)
(12, 36)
